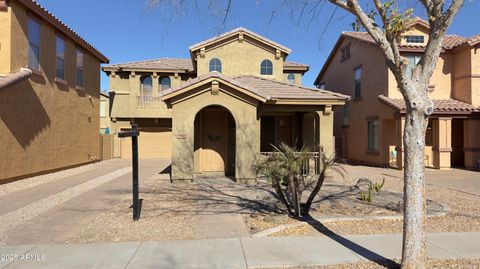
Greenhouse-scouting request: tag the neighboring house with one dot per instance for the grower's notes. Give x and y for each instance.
(104, 113)
(370, 127)
(49, 92)
(214, 113)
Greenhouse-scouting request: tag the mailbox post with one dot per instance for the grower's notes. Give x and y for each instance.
(133, 133)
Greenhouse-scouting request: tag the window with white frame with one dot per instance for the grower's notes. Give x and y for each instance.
(358, 82)
(165, 83)
(373, 135)
(291, 78)
(413, 60)
(415, 39)
(146, 87)
(215, 65)
(60, 58)
(33, 44)
(346, 114)
(79, 68)
(266, 67)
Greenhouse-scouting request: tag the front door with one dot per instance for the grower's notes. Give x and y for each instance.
(214, 140)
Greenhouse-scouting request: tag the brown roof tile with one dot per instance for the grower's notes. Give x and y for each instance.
(294, 65)
(440, 105)
(449, 42)
(268, 89)
(184, 64)
(9, 79)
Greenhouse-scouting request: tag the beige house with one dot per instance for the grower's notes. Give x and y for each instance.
(49, 93)
(217, 111)
(104, 113)
(369, 128)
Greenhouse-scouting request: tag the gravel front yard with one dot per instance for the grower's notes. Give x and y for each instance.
(464, 215)
(431, 264)
(161, 218)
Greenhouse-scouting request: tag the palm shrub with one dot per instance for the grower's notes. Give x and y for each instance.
(284, 170)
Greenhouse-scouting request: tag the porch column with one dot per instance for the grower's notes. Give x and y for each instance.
(325, 127)
(155, 86)
(442, 142)
(399, 127)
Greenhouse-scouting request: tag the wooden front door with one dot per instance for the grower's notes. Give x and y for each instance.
(214, 140)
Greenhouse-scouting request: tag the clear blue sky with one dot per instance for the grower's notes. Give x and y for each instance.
(124, 30)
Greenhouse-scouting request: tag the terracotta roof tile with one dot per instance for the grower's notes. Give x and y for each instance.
(288, 64)
(9, 79)
(268, 89)
(184, 64)
(449, 42)
(440, 105)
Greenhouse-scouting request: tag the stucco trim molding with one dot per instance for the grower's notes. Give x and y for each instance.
(442, 149)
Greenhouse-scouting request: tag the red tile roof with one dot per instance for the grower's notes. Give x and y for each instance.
(449, 42)
(440, 105)
(268, 89)
(9, 79)
(180, 64)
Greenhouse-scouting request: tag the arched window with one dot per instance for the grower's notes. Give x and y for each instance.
(146, 87)
(215, 65)
(165, 83)
(266, 67)
(291, 78)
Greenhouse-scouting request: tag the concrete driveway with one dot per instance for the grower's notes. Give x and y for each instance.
(54, 207)
(455, 179)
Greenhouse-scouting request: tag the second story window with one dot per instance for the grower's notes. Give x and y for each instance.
(165, 83)
(291, 78)
(103, 109)
(146, 87)
(266, 67)
(321, 86)
(345, 53)
(60, 58)
(372, 135)
(418, 39)
(33, 44)
(215, 65)
(413, 60)
(79, 68)
(358, 82)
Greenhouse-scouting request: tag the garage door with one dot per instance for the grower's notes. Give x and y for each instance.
(152, 143)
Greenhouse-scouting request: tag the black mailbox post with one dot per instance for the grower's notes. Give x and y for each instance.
(133, 133)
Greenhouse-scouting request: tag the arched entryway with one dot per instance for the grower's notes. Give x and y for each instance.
(214, 142)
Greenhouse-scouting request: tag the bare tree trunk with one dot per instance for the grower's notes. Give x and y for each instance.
(281, 196)
(318, 186)
(414, 243)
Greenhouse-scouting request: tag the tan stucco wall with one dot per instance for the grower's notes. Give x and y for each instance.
(235, 64)
(339, 77)
(441, 79)
(247, 131)
(47, 125)
(105, 121)
(5, 42)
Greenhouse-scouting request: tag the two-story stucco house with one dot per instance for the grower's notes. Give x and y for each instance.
(370, 127)
(215, 112)
(49, 92)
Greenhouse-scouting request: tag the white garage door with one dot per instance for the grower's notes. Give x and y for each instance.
(152, 143)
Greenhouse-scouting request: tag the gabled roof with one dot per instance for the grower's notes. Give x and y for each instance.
(42, 12)
(449, 42)
(287, 65)
(9, 79)
(263, 89)
(171, 64)
(238, 31)
(441, 106)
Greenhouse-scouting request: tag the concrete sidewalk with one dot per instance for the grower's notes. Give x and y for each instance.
(235, 252)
